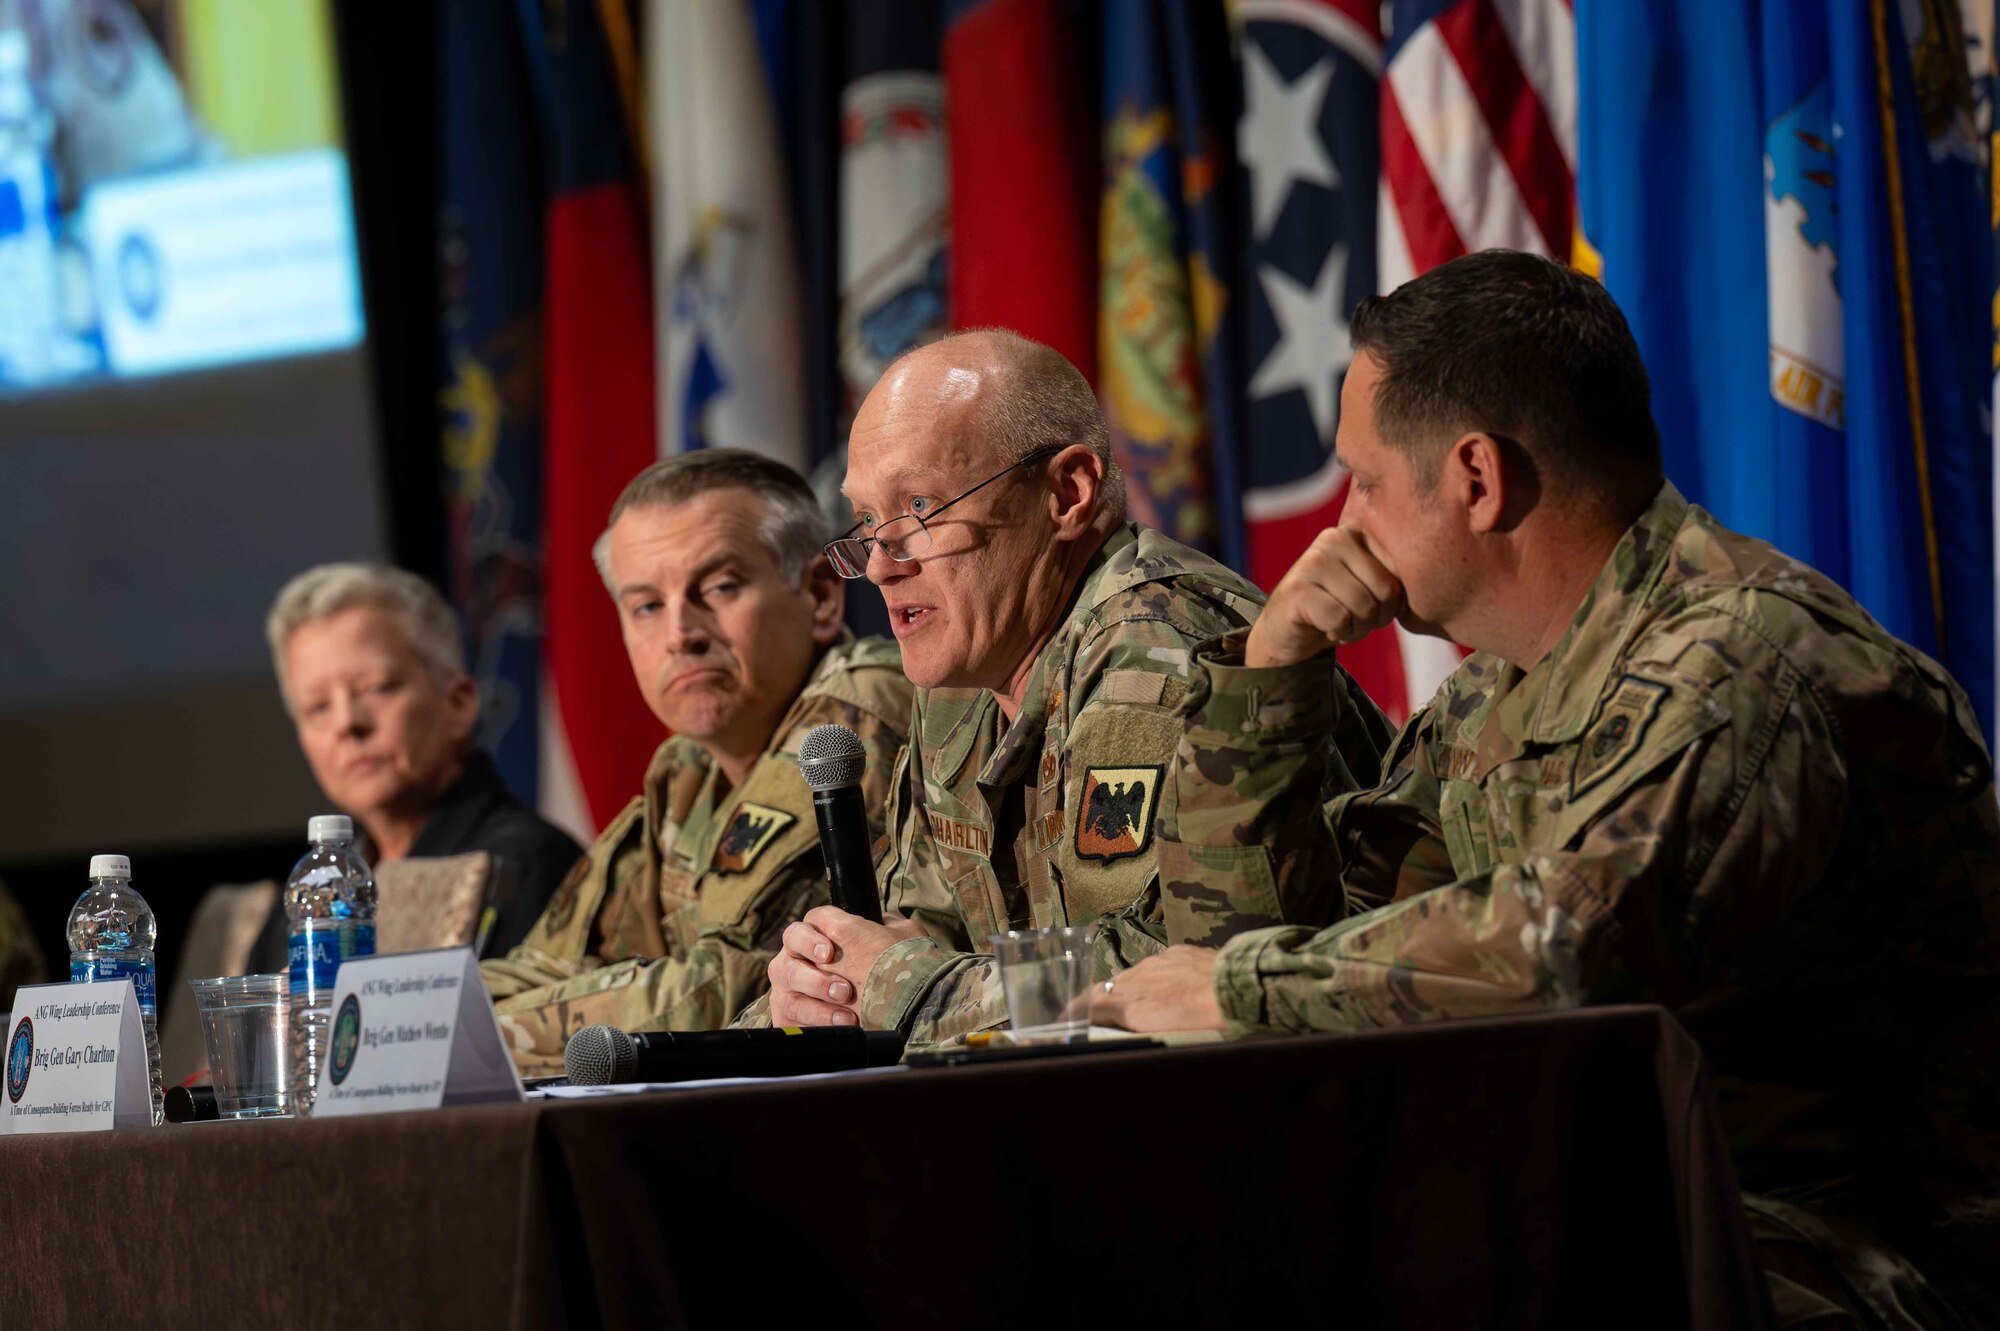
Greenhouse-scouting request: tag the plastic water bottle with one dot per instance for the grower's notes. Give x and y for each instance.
(330, 901)
(111, 934)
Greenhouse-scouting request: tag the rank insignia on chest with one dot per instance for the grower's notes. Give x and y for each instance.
(1617, 732)
(1115, 816)
(752, 829)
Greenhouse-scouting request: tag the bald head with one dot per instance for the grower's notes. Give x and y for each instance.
(993, 394)
(974, 588)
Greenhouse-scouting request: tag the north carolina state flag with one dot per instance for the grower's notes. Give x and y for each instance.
(597, 415)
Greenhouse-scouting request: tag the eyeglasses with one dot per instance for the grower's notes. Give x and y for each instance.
(906, 538)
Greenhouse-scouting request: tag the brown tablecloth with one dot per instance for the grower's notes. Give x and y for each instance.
(1559, 1171)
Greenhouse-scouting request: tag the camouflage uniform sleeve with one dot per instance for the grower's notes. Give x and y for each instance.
(1243, 829)
(913, 887)
(1387, 840)
(721, 975)
(555, 949)
(727, 968)
(1710, 829)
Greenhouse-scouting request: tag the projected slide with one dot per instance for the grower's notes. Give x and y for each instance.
(173, 191)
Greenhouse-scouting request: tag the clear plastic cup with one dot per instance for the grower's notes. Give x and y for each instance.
(243, 1022)
(1046, 974)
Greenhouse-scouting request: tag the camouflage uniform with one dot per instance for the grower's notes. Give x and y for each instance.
(1726, 790)
(670, 920)
(1051, 819)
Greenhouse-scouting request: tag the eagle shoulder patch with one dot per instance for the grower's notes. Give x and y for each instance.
(1115, 816)
(1617, 732)
(751, 831)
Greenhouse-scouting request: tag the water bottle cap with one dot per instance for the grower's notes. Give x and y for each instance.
(330, 827)
(111, 866)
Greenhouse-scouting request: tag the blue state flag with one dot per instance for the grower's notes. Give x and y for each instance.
(490, 372)
(1166, 357)
(1776, 194)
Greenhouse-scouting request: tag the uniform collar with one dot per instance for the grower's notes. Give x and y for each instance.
(1574, 675)
(1497, 710)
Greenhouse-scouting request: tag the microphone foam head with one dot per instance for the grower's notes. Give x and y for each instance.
(599, 1056)
(831, 756)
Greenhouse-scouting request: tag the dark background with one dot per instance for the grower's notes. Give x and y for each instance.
(388, 80)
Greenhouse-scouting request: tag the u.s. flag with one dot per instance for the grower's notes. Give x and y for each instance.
(1370, 157)
(1479, 109)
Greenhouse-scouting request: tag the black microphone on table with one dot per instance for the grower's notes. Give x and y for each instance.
(832, 760)
(602, 1055)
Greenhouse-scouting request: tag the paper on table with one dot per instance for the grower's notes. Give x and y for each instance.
(1164, 1037)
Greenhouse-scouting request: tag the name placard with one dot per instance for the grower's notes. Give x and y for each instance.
(412, 1031)
(76, 1060)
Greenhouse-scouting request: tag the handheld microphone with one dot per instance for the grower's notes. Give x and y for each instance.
(602, 1055)
(831, 758)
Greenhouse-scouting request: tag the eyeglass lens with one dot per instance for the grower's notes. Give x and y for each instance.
(902, 539)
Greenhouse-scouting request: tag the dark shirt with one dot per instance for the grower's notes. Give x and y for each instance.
(531, 858)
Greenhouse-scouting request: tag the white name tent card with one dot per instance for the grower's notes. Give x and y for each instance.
(412, 1031)
(76, 1060)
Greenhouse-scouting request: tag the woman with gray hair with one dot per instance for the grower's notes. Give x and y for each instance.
(370, 667)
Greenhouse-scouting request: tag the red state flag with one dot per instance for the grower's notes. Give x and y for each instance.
(1023, 177)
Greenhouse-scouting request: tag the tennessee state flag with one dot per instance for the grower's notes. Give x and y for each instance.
(1309, 144)
(598, 407)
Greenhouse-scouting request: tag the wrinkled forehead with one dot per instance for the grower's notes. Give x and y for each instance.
(922, 427)
(667, 541)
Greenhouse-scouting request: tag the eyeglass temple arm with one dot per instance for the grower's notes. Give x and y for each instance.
(1038, 453)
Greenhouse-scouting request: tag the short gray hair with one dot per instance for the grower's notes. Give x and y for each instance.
(322, 592)
(793, 528)
(1044, 401)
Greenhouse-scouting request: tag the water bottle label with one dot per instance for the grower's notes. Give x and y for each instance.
(140, 973)
(316, 955)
